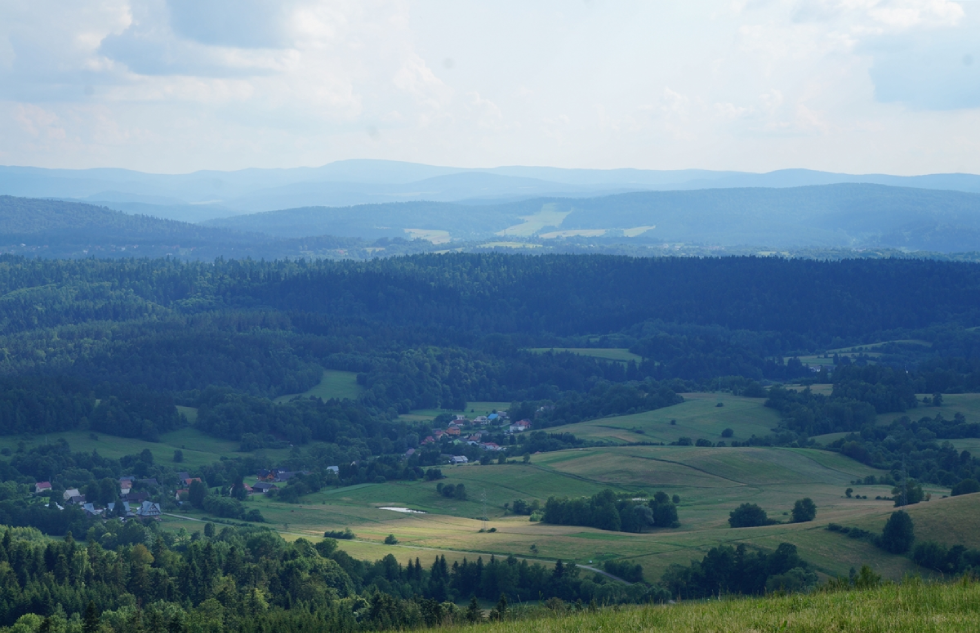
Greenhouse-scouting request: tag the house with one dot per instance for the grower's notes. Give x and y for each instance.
(493, 417)
(42, 486)
(520, 427)
(148, 510)
(334, 469)
(148, 482)
(438, 434)
(490, 446)
(453, 431)
(77, 500)
(460, 417)
(266, 475)
(136, 497)
(91, 510)
(111, 509)
(187, 482)
(71, 492)
(182, 492)
(263, 487)
(458, 459)
(182, 475)
(480, 419)
(409, 452)
(428, 440)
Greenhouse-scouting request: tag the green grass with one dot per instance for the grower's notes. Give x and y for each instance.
(966, 403)
(710, 481)
(698, 417)
(606, 353)
(910, 607)
(334, 384)
(198, 449)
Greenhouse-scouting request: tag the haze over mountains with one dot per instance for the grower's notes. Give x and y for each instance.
(343, 208)
(204, 195)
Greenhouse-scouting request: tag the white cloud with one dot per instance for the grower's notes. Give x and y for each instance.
(175, 85)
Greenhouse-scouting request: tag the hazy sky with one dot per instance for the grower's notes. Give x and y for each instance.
(179, 85)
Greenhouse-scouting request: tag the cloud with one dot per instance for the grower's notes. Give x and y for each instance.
(174, 85)
(929, 70)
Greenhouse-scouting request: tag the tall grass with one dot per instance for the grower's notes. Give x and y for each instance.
(913, 606)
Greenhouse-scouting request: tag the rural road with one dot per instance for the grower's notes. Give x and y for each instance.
(432, 549)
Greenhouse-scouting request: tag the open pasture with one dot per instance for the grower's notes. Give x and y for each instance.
(334, 384)
(966, 403)
(698, 417)
(710, 481)
(198, 449)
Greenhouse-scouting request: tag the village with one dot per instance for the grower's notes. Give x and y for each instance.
(146, 499)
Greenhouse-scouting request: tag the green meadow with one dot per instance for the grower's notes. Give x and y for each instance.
(699, 417)
(911, 607)
(334, 384)
(711, 481)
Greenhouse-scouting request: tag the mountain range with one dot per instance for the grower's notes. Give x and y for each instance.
(208, 195)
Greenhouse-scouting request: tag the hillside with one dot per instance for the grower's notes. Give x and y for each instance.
(906, 608)
(827, 216)
(205, 195)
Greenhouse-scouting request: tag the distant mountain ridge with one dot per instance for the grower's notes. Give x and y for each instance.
(840, 216)
(206, 195)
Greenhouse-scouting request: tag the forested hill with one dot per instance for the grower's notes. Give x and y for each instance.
(839, 215)
(32, 217)
(56, 228)
(560, 295)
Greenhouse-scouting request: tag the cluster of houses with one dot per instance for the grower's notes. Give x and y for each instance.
(472, 432)
(136, 504)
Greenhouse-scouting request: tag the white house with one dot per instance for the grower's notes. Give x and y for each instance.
(458, 459)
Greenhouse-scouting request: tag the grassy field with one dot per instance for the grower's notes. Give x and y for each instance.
(699, 417)
(198, 449)
(917, 607)
(605, 353)
(334, 384)
(710, 481)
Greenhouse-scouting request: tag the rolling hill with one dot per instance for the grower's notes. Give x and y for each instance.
(837, 216)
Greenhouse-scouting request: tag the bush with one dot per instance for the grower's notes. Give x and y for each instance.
(727, 433)
(341, 534)
(804, 510)
(625, 570)
(703, 442)
(391, 540)
(748, 515)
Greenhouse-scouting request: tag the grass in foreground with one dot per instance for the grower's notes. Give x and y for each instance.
(911, 606)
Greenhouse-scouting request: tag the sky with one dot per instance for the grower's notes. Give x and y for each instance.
(172, 86)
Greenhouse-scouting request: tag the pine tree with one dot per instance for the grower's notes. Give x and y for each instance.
(473, 612)
(91, 619)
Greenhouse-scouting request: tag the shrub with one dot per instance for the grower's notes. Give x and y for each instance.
(341, 534)
(391, 540)
(748, 515)
(727, 433)
(804, 510)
